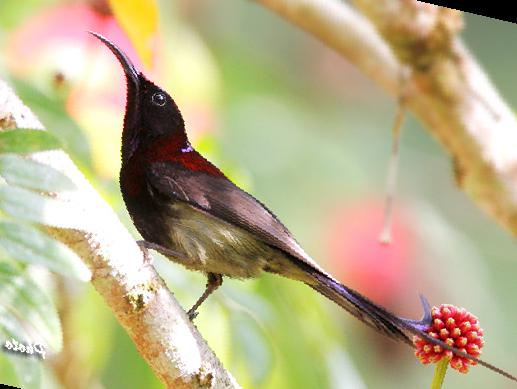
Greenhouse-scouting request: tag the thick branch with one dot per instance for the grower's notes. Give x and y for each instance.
(447, 90)
(136, 294)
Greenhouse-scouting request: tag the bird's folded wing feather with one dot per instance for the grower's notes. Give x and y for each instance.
(222, 199)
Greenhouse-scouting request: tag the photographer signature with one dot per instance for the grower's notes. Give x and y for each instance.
(30, 349)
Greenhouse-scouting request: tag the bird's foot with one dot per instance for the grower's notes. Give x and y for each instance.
(148, 259)
(144, 244)
(214, 281)
(192, 314)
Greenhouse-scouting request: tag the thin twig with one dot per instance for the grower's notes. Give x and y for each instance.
(391, 185)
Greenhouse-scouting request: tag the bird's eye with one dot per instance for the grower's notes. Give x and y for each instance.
(159, 99)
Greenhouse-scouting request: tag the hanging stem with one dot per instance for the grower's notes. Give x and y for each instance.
(439, 373)
(385, 236)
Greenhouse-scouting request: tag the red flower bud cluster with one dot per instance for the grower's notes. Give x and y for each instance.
(457, 328)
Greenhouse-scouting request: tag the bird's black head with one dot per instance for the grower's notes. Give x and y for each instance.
(151, 113)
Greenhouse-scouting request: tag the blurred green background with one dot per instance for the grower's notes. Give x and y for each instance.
(296, 125)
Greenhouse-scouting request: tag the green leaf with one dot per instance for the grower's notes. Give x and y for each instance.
(254, 345)
(341, 369)
(26, 205)
(26, 313)
(27, 141)
(20, 171)
(27, 369)
(30, 245)
(52, 112)
(7, 370)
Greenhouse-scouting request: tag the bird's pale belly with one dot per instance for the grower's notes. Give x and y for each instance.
(218, 247)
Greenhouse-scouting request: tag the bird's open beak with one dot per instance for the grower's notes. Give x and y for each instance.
(129, 68)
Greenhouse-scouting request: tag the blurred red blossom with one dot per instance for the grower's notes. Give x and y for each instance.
(381, 271)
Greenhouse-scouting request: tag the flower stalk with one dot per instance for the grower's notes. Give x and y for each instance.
(439, 373)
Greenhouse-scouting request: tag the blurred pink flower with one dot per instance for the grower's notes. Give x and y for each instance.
(358, 258)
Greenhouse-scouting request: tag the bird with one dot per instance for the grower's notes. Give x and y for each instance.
(185, 208)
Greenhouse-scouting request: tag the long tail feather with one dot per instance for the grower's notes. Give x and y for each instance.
(383, 320)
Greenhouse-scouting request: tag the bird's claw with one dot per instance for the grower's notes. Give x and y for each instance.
(192, 314)
(148, 259)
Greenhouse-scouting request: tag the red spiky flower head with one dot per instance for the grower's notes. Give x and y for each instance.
(456, 327)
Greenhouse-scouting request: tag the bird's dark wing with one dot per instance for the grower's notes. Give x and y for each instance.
(222, 199)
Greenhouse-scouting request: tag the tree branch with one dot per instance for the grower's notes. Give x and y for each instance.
(136, 294)
(447, 90)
